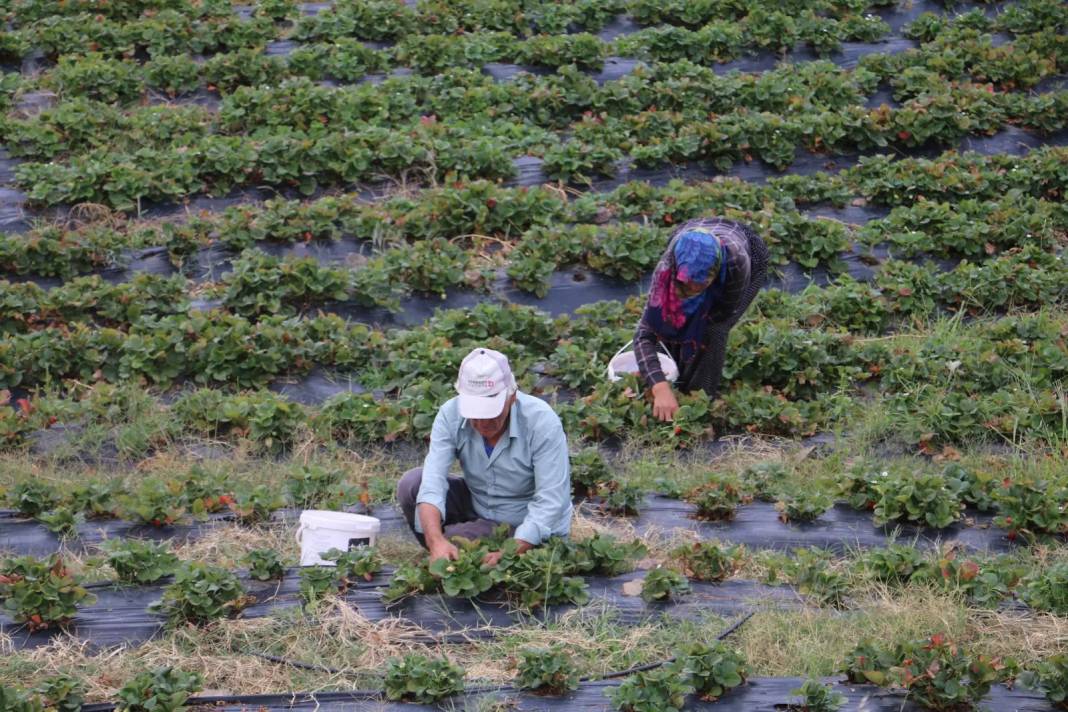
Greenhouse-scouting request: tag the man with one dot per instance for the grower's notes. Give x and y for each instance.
(513, 454)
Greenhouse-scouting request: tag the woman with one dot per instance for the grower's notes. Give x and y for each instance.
(707, 278)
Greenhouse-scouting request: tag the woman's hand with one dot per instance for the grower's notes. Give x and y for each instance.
(664, 403)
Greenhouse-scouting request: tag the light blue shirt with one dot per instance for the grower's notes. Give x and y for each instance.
(525, 481)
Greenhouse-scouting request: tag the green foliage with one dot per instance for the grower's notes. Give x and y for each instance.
(138, 561)
(313, 486)
(974, 487)
(939, 676)
(1031, 507)
(663, 584)
(916, 497)
(408, 579)
(810, 572)
(160, 690)
(549, 671)
(361, 562)
(1047, 589)
(265, 565)
(893, 564)
(766, 479)
(663, 689)
(1051, 678)
(622, 499)
(61, 521)
(316, 582)
(416, 678)
(712, 669)
(200, 594)
(541, 577)
(254, 506)
(32, 497)
(709, 561)
(154, 502)
(601, 554)
(869, 663)
(803, 505)
(467, 576)
(717, 499)
(15, 700)
(40, 593)
(62, 692)
(817, 697)
(588, 471)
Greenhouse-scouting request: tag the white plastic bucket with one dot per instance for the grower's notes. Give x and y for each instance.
(625, 362)
(321, 530)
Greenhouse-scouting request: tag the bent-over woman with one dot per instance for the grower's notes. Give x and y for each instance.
(709, 275)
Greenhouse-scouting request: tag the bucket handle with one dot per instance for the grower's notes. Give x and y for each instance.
(300, 534)
(660, 347)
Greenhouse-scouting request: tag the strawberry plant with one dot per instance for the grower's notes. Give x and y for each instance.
(540, 576)
(408, 579)
(916, 497)
(712, 669)
(717, 499)
(1047, 590)
(317, 487)
(803, 506)
(317, 582)
(32, 497)
(765, 479)
(200, 594)
(974, 487)
(137, 561)
(62, 692)
(603, 555)
(17, 700)
(983, 583)
(576, 162)
(206, 492)
(154, 502)
(361, 562)
(465, 577)
(163, 689)
(95, 499)
(621, 499)
(816, 697)
(1031, 507)
(662, 584)
(548, 671)
(40, 593)
(939, 676)
(254, 506)
(893, 564)
(1051, 678)
(708, 560)
(265, 565)
(810, 572)
(61, 521)
(663, 689)
(869, 663)
(588, 471)
(416, 678)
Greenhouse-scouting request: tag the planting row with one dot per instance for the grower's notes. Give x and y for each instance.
(956, 55)
(484, 208)
(431, 150)
(1003, 376)
(260, 285)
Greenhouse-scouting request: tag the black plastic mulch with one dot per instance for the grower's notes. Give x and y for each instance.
(762, 694)
(840, 529)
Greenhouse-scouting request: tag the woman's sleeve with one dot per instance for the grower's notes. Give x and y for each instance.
(738, 271)
(645, 351)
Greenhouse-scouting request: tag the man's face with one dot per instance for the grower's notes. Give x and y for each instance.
(492, 427)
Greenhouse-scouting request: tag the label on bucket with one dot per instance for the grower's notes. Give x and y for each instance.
(362, 541)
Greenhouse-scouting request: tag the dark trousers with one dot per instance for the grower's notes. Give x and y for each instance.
(460, 516)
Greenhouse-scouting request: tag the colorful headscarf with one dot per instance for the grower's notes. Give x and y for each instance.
(691, 257)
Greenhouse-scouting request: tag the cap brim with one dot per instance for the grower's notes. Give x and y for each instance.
(482, 407)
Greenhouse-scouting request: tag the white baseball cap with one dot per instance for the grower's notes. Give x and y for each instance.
(484, 384)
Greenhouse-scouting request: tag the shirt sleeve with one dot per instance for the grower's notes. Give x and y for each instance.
(738, 271)
(645, 352)
(439, 459)
(552, 486)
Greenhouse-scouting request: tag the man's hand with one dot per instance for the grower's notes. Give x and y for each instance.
(492, 559)
(664, 403)
(442, 549)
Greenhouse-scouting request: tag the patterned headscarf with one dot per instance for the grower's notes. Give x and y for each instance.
(691, 258)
